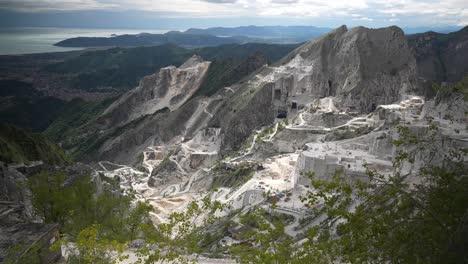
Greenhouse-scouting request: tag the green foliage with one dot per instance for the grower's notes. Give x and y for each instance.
(405, 138)
(26, 107)
(118, 67)
(447, 90)
(282, 125)
(182, 235)
(30, 109)
(264, 240)
(23, 254)
(394, 220)
(221, 73)
(78, 206)
(122, 68)
(17, 145)
(66, 128)
(101, 224)
(90, 248)
(272, 52)
(232, 177)
(462, 87)
(267, 132)
(17, 89)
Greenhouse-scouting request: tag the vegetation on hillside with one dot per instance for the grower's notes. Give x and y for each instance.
(17, 146)
(272, 52)
(101, 223)
(223, 73)
(122, 68)
(77, 113)
(232, 177)
(119, 68)
(25, 107)
(80, 205)
(97, 219)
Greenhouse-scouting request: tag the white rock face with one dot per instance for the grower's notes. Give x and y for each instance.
(357, 69)
(360, 67)
(169, 88)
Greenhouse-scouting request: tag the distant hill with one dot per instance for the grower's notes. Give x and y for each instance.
(122, 68)
(276, 34)
(146, 39)
(194, 37)
(446, 29)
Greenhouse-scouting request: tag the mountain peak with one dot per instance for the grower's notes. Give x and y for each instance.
(193, 61)
(340, 30)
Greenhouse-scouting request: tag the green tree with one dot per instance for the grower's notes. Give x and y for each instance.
(180, 239)
(90, 247)
(263, 238)
(98, 225)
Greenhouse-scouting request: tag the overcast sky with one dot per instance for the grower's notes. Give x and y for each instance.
(331, 13)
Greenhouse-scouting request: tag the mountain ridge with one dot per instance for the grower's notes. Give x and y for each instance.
(147, 39)
(441, 57)
(327, 61)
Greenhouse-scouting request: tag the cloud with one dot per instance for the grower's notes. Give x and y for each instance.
(40, 5)
(221, 1)
(284, 1)
(364, 19)
(418, 11)
(442, 12)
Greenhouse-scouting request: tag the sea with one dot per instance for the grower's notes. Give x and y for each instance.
(26, 40)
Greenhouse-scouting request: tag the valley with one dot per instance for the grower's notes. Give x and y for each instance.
(282, 140)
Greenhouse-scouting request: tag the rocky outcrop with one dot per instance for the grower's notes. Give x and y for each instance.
(441, 57)
(248, 109)
(169, 88)
(361, 68)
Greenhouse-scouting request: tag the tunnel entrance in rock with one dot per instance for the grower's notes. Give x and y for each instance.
(330, 88)
(282, 114)
(277, 94)
(293, 105)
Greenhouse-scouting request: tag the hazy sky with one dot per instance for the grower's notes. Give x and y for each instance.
(410, 13)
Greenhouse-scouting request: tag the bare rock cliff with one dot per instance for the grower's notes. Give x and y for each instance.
(169, 88)
(441, 57)
(361, 68)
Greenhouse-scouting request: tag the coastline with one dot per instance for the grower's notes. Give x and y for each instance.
(31, 40)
